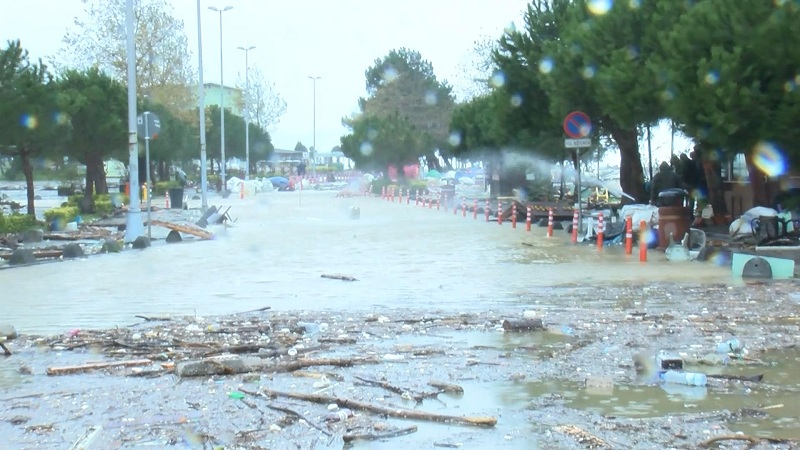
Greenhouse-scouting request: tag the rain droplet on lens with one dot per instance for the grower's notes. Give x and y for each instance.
(599, 7)
(372, 134)
(516, 100)
(366, 149)
(588, 72)
(497, 80)
(712, 77)
(430, 98)
(454, 139)
(769, 159)
(389, 74)
(546, 65)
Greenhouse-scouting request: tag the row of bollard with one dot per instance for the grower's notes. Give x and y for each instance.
(389, 195)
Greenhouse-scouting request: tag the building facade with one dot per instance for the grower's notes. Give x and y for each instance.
(233, 97)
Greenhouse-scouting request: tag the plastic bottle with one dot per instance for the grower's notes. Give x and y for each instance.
(733, 345)
(687, 378)
(339, 416)
(309, 327)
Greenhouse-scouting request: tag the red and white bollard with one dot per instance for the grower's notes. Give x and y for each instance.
(463, 207)
(430, 204)
(486, 210)
(499, 213)
(475, 210)
(455, 205)
(628, 235)
(408, 196)
(383, 193)
(514, 215)
(575, 227)
(241, 189)
(416, 199)
(643, 241)
(401, 196)
(528, 219)
(392, 195)
(600, 229)
(550, 223)
(166, 197)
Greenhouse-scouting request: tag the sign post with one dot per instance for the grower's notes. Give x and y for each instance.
(578, 126)
(148, 125)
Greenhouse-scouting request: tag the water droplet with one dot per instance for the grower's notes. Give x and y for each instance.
(599, 7)
(668, 94)
(635, 4)
(588, 72)
(546, 65)
(372, 134)
(516, 100)
(389, 74)
(712, 77)
(60, 118)
(498, 79)
(789, 86)
(29, 121)
(510, 28)
(454, 139)
(430, 98)
(366, 149)
(633, 51)
(769, 159)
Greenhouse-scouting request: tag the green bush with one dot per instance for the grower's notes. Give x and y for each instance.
(62, 215)
(102, 203)
(16, 222)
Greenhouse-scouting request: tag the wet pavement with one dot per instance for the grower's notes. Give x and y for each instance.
(443, 283)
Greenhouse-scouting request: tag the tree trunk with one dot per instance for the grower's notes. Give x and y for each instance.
(100, 184)
(163, 173)
(27, 169)
(631, 175)
(711, 169)
(88, 191)
(757, 182)
(433, 162)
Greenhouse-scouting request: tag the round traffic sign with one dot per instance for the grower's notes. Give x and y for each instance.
(577, 125)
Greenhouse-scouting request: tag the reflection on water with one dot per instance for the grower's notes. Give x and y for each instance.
(403, 256)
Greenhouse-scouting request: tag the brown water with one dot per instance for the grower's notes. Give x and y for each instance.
(403, 256)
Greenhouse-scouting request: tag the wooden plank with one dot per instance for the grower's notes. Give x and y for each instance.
(65, 370)
(185, 228)
(38, 254)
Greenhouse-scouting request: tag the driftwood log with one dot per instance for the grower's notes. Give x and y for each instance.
(377, 436)
(65, 370)
(751, 378)
(184, 228)
(336, 276)
(6, 351)
(523, 324)
(384, 410)
(446, 387)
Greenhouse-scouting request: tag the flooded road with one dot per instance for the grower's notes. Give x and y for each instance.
(274, 255)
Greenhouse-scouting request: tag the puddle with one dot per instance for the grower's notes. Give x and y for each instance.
(9, 374)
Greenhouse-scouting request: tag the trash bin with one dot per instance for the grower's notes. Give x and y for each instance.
(175, 198)
(674, 216)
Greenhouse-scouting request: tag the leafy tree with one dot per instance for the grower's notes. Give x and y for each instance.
(380, 141)
(260, 142)
(163, 68)
(299, 147)
(599, 65)
(96, 107)
(31, 125)
(266, 105)
(402, 86)
(741, 87)
(175, 141)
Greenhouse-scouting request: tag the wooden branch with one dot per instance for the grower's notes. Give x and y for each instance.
(288, 411)
(184, 228)
(752, 378)
(297, 364)
(446, 387)
(523, 324)
(383, 410)
(6, 351)
(153, 319)
(339, 277)
(376, 436)
(64, 370)
(743, 437)
(582, 436)
(390, 387)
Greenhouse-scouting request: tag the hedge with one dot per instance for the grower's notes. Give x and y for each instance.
(63, 214)
(16, 222)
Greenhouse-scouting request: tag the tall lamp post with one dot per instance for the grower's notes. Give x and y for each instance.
(133, 221)
(221, 100)
(247, 110)
(201, 103)
(314, 144)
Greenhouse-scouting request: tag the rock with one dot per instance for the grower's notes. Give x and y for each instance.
(8, 331)
(558, 225)
(111, 246)
(355, 212)
(72, 250)
(37, 197)
(141, 243)
(195, 197)
(33, 235)
(22, 256)
(222, 365)
(173, 237)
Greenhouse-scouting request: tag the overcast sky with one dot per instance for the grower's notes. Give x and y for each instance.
(334, 39)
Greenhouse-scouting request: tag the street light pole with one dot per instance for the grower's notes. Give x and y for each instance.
(221, 100)
(133, 221)
(247, 110)
(314, 145)
(201, 103)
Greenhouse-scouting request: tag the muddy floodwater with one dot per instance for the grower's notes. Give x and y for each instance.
(433, 289)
